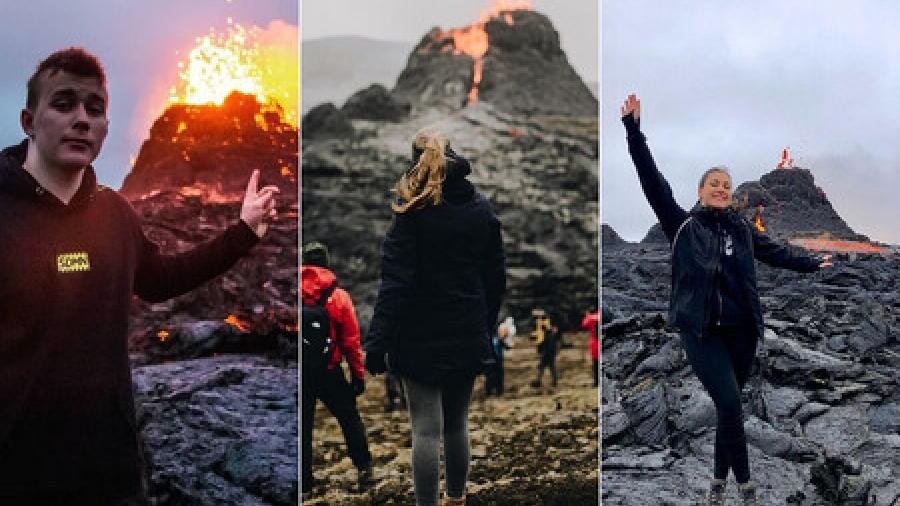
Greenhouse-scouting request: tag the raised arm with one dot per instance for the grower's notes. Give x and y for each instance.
(779, 255)
(655, 186)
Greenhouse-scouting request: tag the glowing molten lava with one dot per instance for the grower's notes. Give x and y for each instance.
(759, 224)
(162, 335)
(473, 39)
(834, 245)
(257, 62)
(237, 323)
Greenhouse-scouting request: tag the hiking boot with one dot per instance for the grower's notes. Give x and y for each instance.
(716, 495)
(454, 501)
(364, 479)
(748, 494)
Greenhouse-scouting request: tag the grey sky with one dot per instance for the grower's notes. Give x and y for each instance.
(137, 42)
(408, 20)
(732, 83)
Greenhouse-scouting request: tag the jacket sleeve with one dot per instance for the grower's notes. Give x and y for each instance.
(347, 332)
(160, 276)
(398, 267)
(656, 188)
(779, 255)
(494, 273)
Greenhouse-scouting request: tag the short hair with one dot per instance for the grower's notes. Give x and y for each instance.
(719, 168)
(74, 60)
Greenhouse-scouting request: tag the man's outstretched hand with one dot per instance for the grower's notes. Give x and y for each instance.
(259, 205)
(631, 105)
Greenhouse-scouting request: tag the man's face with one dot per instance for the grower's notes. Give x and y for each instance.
(69, 123)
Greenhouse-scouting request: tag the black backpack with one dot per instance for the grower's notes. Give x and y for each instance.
(316, 333)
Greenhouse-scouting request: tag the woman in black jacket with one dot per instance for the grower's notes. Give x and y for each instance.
(442, 281)
(714, 302)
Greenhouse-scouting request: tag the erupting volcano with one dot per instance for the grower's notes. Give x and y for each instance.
(510, 57)
(233, 110)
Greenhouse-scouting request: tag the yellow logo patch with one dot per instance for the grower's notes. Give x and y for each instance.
(73, 262)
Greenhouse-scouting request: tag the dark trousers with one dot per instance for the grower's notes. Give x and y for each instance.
(547, 361)
(595, 370)
(721, 359)
(493, 379)
(332, 389)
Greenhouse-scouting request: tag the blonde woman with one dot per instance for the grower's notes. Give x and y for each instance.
(442, 281)
(714, 302)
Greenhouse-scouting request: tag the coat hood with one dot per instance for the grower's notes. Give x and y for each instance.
(17, 181)
(315, 280)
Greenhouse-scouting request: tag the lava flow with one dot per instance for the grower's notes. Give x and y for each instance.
(473, 40)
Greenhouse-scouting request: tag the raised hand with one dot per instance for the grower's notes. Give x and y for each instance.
(259, 205)
(826, 262)
(632, 105)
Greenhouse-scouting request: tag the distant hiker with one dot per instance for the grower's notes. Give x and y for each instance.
(510, 325)
(591, 323)
(758, 219)
(442, 281)
(548, 349)
(393, 391)
(74, 255)
(494, 376)
(715, 303)
(330, 331)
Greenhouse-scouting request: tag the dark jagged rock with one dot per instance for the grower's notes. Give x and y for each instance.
(655, 235)
(525, 71)
(794, 206)
(219, 431)
(374, 103)
(820, 406)
(609, 237)
(325, 121)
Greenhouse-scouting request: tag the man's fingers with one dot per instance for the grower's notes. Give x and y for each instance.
(253, 183)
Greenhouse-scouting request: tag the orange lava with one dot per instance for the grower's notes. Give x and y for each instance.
(237, 323)
(472, 40)
(838, 246)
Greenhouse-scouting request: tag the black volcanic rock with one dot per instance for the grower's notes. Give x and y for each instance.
(524, 70)
(434, 75)
(609, 237)
(374, 103)
(325, 121)
(820, 406)
(655, 235)
(794, 206)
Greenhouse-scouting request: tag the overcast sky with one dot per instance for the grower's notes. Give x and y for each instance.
(137, 40)
(409, 20)
(732, 83)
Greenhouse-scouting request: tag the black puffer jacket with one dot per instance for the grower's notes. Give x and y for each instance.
(697, 248)
(442, 282)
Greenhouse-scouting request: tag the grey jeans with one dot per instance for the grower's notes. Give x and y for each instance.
(435, 410)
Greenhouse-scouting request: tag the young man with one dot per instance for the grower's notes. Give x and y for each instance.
(326, 380)
(73, 254)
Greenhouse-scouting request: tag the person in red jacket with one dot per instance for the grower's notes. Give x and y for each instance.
(590, 322)
(329, 384)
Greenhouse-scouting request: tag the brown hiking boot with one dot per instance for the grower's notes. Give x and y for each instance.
(454, 501)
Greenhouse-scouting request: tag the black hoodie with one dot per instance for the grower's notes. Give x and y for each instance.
(67, 275)
(442, 282)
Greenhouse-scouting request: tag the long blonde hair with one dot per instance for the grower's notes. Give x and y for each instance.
(422, 185)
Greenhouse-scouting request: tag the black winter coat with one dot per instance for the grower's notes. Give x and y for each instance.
(696, 248)
(442, 282)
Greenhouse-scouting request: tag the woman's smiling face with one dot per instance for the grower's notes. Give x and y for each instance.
(715, 191)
